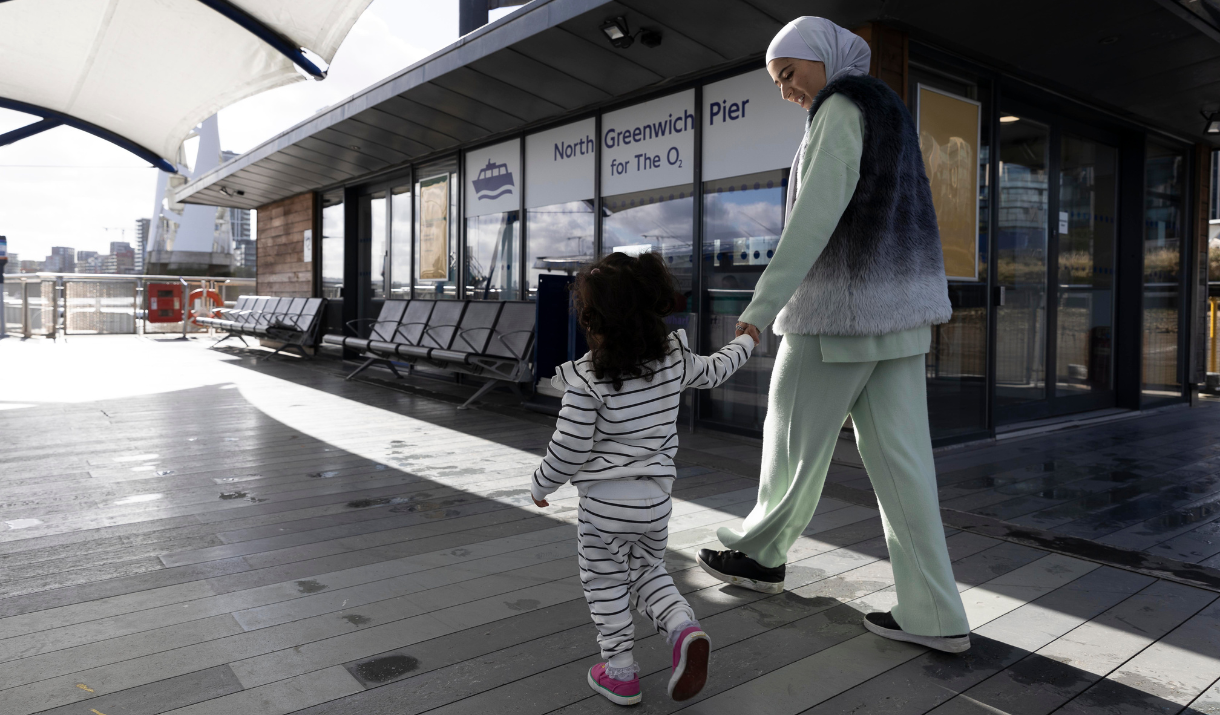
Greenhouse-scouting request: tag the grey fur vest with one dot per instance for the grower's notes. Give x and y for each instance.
(882, 270)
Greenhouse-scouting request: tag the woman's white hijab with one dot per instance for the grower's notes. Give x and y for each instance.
(817, 39)
(820, 40)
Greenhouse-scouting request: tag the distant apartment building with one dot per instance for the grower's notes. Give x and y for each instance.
(32, 266)
(121, 260)
(61, 260)
(141, 247)
(13, 265)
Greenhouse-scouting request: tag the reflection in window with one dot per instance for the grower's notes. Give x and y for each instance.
(400, 242)
(1164, 227)
(377, 231)
(493, 244)
(660, 221)
(1021, 262)
(436, 232)
(559, 240)
(743, 217)
(332, 245)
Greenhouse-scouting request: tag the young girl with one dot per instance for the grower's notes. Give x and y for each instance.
(615, 441)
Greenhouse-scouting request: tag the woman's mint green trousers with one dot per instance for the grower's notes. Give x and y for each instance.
(887, 401)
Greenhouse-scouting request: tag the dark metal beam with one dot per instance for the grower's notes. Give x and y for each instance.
(277, 41)
(28, 130)
(67, 120)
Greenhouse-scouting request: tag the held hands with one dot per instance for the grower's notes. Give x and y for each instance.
(747, 329)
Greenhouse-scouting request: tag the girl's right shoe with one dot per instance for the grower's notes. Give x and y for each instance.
(691, 651)
(736, 568)
(619, 692)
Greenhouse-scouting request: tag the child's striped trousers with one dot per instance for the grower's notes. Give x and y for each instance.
(621, 546)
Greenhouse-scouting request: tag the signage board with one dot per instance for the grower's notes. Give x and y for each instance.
(649, 145)
(559, 164)
(493, 179)
(748, 127)
(433, 262)
(948, 128)
(307, 244)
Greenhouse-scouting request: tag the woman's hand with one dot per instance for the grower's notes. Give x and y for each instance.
(747, 329)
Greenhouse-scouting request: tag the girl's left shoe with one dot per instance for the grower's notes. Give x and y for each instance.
(691, 651)
(619, 692)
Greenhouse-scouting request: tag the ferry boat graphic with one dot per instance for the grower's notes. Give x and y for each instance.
(493, 181)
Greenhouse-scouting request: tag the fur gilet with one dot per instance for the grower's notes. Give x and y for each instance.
(883, 269)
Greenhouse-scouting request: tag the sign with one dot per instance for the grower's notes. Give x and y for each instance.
(748, 127)
(1063, 222)
(308, 245)
(492, 174)
(433, 229)
(949, 140)
(649, 145)
(559, 164)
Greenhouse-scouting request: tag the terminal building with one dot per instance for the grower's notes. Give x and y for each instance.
(1064, 142)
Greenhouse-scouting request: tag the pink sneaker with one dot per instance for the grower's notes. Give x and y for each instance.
(691, 652)
(619, 692)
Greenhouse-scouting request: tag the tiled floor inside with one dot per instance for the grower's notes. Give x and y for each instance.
(185, 531)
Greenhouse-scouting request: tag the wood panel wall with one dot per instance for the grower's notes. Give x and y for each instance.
(282, 268)
(890, 52)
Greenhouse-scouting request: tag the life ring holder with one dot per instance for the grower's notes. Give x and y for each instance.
(212, 296)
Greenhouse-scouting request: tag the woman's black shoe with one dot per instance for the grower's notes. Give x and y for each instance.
(740, 570)
(884, 625)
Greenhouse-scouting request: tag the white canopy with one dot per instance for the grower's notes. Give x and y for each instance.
(146, 72)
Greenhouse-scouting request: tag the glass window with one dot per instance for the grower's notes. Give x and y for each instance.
(493, 245)
(1088, 191)
(956, 364)
(436, 206)
(1021, 259)
(379, 246)
(400, 242)
(1164, 230)
(743, 217)
(332, 245)
(559, 238)
(659, 220)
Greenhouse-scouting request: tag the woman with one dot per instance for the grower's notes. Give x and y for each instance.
(856, 283)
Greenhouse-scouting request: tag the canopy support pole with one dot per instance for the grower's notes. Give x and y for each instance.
(277, 41)
(28, 130)
(67, 120)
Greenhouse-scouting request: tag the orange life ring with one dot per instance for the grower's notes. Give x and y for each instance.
(212, 295)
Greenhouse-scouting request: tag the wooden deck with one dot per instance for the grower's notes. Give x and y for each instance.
(183, 531)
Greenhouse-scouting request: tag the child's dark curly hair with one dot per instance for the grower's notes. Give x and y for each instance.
(621, 302)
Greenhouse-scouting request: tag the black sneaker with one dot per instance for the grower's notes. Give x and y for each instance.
(884, 625)
(740, 570)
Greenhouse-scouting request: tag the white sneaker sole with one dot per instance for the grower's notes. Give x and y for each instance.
(760, 586)
(941, 643)
(616, 699)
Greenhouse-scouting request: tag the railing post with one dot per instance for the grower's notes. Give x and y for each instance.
(186, 294)
(25, 309)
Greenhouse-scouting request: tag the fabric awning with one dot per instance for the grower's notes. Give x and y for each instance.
(144, 73)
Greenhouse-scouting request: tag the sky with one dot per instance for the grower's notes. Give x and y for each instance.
(67, 188)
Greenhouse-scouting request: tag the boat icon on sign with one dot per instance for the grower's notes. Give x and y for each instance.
(493, 181)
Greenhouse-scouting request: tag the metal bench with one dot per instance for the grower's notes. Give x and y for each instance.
(293, 322)
(490, 339)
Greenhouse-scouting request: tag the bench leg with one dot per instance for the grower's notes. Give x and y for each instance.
(393, 369)
(362, 368)
(486, 388)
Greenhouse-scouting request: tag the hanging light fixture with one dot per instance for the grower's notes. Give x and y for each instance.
(617, 32)
(1212, 120)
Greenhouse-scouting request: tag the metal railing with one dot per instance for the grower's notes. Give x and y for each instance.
(55, 304)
